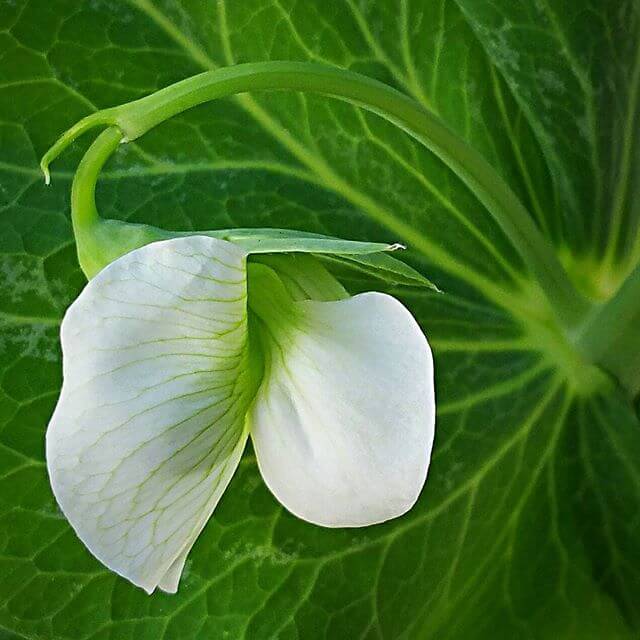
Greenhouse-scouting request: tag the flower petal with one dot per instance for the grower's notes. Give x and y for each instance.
(150, 424)
(343, 423)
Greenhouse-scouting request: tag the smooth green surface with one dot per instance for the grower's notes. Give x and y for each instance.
(527, 527)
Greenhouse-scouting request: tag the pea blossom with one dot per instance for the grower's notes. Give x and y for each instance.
(182, 346)
(177, 352)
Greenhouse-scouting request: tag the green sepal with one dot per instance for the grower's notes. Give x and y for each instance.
(371, 258)
(286, 241)
(379, 265)
(104, 241)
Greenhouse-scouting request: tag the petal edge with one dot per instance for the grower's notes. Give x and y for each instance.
(343, 423)
(150, 423)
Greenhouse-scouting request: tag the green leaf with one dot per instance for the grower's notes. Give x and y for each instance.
(583, 69)
(528, 526)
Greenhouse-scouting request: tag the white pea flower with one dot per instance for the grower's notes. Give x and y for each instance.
(178, 351)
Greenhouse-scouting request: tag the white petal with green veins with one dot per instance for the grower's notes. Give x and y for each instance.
(150, 424)
(343, 422)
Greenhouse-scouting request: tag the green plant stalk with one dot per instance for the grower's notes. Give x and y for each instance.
(611, 334)
(84, 214)
(100, 241)
(137, 117)
(83, 202)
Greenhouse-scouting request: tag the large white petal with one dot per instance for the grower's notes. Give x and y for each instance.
(343, 423)
(150, 424)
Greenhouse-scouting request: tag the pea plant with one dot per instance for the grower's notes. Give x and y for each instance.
(324, 322)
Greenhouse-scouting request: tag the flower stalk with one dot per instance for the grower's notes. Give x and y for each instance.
(137, 117)
(99, 241)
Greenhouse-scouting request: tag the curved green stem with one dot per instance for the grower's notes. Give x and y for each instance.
(611, 334)
(101, 241)
(84, 215)
(135, 118)
(83, 203)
